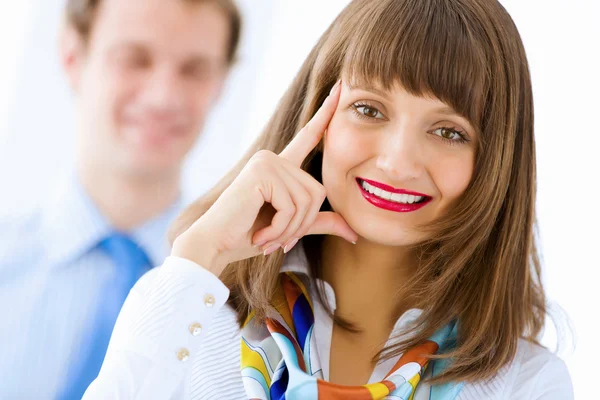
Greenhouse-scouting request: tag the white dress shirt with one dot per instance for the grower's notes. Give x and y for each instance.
(51, 279)
(176, 338)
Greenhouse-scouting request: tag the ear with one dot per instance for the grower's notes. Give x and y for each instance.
(72, 54)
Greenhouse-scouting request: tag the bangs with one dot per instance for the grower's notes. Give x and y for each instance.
(424, 46)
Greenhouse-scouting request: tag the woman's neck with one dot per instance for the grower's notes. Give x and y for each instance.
(370, 281)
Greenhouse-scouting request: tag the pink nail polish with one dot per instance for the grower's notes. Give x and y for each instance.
(271, 249)
(335, 86)
(290, 245)
(332, 89)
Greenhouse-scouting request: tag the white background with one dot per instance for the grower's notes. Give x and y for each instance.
(562, 39)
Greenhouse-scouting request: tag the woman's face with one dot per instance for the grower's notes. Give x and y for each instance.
(393, 161)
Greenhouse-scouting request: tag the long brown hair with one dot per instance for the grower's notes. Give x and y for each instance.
(481, 265)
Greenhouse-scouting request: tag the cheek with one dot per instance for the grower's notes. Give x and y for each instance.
(452, 175)
(97, 95)
(108, 90)
(200, 98)
(345, 147)
(124, 86)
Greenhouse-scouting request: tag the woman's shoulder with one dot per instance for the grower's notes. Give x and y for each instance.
(542, 371)
(534, 373)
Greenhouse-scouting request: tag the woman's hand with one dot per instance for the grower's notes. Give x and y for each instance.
(270, 205)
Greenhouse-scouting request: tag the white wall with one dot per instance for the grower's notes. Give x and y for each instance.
(14, 26)
(562, 39)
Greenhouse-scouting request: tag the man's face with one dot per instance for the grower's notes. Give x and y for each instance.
(145, 82)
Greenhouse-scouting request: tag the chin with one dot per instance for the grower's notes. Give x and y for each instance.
(155, 158)
(386, 233)
(151, 165)
(396, 240)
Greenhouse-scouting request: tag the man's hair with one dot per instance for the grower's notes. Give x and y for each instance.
(81, 15)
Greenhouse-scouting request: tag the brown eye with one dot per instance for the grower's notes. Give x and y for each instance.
(368, 112)
(448, 133)
(199, 70)
(134, 59)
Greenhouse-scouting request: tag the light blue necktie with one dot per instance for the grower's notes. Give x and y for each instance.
(131, 263)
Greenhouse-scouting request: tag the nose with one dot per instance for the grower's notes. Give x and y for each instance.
(163, 93)
(400, 155)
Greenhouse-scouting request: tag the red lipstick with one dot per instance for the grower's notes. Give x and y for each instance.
(388, 204)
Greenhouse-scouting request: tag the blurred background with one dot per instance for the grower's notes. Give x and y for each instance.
(562, 39)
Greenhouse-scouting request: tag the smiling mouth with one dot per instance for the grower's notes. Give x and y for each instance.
(391, 199)
(395, 196)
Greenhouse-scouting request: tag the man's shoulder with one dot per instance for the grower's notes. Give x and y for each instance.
(20, 219)
(21, 239)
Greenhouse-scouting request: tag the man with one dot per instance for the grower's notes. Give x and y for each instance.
(145, 74)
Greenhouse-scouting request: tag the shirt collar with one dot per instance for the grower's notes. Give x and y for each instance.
(72, 225)
(296, 261)
(152, 235)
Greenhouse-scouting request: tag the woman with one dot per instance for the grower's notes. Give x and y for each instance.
(378, 239)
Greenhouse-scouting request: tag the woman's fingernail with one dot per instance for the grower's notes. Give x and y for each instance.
(290, 245)
(259, 244)
(335, 86)
(271, 249)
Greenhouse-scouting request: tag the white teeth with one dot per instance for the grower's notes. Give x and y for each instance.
(400, 198)
(395, 197)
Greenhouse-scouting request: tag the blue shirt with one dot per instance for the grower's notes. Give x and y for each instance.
(51, 274)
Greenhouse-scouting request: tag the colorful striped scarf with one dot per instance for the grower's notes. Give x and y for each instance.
(279, 359)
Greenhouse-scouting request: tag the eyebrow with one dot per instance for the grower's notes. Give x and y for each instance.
(127, 45)
(370, 88)
(447, 111)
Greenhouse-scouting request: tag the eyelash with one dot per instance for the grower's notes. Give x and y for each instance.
(358, 105)
(462, 138)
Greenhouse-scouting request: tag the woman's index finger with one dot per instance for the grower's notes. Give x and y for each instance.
(310, 136)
